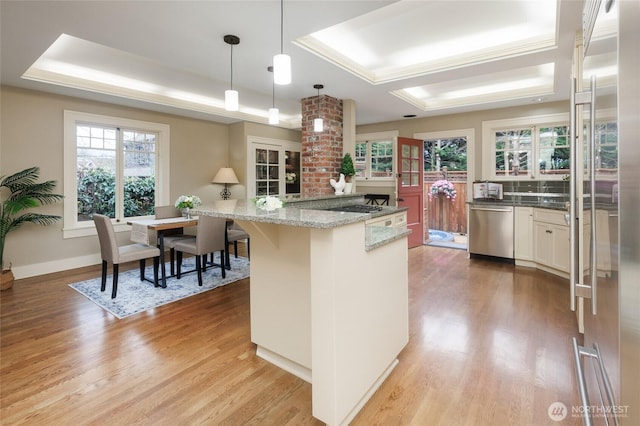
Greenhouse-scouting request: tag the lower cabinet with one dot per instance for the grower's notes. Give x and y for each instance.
(523, 234)
(551, 240)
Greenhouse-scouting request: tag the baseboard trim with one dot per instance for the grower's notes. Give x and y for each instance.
(284, 363)
(35, 269)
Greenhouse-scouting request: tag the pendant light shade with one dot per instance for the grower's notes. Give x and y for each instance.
(282, 62)
(274, 116)
(282, 69)
(318, 123)
(231, 101)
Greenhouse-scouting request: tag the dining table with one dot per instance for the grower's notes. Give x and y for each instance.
(140, 233)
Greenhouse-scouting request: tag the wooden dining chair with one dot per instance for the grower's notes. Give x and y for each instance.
(171, 236)
(210, 237)
(111, 253)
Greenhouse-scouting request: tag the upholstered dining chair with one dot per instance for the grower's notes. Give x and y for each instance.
(171, 236)
(236, 233)
(210, 237)
(115, 255)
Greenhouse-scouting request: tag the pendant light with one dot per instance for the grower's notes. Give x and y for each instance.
(282, 62)
(318, 125)
(274, 113)
(231, 96)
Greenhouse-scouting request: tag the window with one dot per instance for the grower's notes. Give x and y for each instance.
(374, 155)
(554, 152)
(112, 167)
(513, 152)
(607, 147)
(525, 148)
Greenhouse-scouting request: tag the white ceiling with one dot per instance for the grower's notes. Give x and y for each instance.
(392, 58)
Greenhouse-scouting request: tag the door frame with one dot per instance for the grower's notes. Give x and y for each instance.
(469, 134)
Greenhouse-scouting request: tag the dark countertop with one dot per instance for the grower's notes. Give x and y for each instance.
(552, 205)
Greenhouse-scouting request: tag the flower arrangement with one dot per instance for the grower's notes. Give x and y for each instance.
(290, 177)
(188, 201)
(445, 187)
(268, 203)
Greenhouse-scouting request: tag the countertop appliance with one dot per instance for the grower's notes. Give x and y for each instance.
(607, 358)
(491, 230)
(487, 191)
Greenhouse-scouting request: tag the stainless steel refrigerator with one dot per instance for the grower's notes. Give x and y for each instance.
(605, 213)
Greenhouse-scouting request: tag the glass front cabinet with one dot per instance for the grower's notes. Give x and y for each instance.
(274, 168)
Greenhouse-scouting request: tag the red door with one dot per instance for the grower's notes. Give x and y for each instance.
(410, 186)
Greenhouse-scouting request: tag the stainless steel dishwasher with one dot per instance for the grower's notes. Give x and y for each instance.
(491, 230)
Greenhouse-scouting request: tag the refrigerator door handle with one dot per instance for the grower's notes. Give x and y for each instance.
(602, 381)
(592, 205)
(582, 386)
(577, 288)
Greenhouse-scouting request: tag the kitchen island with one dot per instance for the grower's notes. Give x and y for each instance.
(329, 298)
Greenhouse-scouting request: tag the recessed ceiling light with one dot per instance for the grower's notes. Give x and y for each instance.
(538, 99)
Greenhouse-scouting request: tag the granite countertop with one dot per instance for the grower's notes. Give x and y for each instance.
(377, 236)
(553, 205)
(305, 217)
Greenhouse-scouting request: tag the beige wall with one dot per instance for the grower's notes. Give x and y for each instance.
(31, 134)
(238, 136)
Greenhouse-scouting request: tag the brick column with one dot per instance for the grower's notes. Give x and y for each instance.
(321, 151)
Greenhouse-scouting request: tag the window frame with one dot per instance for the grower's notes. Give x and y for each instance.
(489, 129)
(71, 227)
(369, 138)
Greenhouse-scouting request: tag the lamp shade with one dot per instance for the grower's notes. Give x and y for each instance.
(318, 125)
(231, 100)
(282, 69)
(274, 116)
(225, 175)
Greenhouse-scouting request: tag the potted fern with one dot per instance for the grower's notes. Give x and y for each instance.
(347, 169)
(19, 192)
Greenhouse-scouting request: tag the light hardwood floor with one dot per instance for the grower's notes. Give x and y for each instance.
(490, 344)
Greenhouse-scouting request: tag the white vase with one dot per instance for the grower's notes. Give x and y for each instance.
(186, 212)
(348, 187)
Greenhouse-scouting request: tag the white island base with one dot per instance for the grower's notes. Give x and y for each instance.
(328, 310)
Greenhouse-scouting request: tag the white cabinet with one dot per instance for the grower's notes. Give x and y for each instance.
(551, 239)
(395, 220)
(523, 243)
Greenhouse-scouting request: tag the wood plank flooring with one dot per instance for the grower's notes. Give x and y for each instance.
(490, 344)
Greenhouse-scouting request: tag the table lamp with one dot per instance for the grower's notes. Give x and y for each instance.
(225, 175)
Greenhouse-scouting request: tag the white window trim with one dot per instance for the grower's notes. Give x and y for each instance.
(378, 136)
(470, 135)
(72, 228)
(489, 151)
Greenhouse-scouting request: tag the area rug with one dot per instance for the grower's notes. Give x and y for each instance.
(136, 296)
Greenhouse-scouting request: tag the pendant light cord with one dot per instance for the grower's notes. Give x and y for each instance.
(281, 26)
(232, 67)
